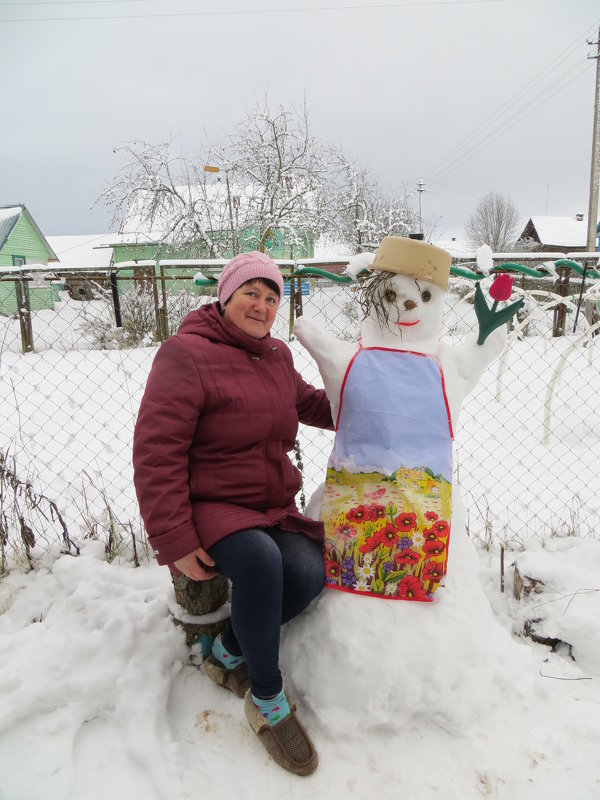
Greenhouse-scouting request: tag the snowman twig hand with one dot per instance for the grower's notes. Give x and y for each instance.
(490, 319)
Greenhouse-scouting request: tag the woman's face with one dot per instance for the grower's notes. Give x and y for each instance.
(252, 308)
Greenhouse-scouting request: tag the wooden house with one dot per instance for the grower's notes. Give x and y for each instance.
(558, 234)
(21, 241)
(22, 244)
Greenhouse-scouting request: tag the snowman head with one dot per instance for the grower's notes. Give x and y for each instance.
(403, 300)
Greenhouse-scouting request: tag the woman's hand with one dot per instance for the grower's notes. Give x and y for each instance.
(191, 567)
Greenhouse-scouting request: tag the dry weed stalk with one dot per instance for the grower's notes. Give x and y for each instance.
(25, 515)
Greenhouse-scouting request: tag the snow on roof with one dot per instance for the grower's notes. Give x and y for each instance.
(8, 219)
(456, 247)
(562, 231)
(208, 203)
(9, 211)
(135, 225)
(84, 251)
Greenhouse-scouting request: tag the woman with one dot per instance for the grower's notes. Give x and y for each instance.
(216, 487)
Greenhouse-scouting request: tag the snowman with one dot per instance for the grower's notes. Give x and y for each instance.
(371, 661)
(396, 395)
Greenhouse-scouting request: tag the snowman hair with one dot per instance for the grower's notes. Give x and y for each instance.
(372, 297)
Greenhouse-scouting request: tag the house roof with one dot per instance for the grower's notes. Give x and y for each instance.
(135, 228)
(92, 250)
(9, 216)
(564, 232)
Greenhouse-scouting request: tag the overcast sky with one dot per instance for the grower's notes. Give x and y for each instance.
(471, 96)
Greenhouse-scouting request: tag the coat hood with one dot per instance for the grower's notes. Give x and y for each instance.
(208, 322)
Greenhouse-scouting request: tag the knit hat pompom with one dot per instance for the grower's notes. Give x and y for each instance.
(247, 267)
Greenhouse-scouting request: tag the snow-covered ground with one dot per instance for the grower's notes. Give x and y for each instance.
(100, 697)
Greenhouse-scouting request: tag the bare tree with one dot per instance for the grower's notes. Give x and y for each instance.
(364, 213)
(276, 186)
(282, 170)
(269, 190)
(164, 198)
(494, 222)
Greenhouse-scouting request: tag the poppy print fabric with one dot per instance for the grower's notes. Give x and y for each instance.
(387, 500)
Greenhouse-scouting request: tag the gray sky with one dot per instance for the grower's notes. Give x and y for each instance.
(471, 96)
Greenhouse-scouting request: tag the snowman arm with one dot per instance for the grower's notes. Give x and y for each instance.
(472, 359)
(313, 337)
(331, 355)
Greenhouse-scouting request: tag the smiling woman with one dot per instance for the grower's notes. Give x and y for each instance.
(216, 487)
(252, 308)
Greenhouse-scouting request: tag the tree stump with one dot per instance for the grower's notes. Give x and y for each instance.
(200, 599)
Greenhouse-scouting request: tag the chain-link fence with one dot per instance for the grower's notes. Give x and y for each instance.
(75, 359)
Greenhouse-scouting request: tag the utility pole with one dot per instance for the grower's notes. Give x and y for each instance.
(420, 190)
(595, 170)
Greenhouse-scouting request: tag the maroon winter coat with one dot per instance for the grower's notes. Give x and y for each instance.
(218, 417)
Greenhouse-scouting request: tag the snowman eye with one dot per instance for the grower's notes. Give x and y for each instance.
(390, 295)
(426, 296)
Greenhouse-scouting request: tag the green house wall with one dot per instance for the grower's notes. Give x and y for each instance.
(276, 247)
(24, 240)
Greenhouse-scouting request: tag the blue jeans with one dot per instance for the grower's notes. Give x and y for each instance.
(274, 576)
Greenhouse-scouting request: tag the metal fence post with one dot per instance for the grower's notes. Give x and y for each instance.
(116, 300)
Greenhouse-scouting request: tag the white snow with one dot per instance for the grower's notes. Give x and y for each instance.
(7, 213)
(357, 263)
(101, 699)
(484, 257)
(91, 250)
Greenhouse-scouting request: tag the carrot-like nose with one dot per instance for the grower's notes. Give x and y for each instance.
(409, 305)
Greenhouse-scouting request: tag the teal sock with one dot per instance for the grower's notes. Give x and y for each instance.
(224, 657)
(273, 709)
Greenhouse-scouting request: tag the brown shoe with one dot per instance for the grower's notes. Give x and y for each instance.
(235, 680)
(287, 742)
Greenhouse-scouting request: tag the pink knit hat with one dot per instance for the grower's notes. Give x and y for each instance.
(247, 267)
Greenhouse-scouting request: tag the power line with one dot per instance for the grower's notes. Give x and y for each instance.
(458, 154)
(527, 108)
(249, 12)
(72, 2)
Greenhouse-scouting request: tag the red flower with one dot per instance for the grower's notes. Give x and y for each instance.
(388, 535)
(433, 571)
(406, 522)
(439, 529)
(373, 513)
(375, 495)
(357, 514)
(430, 515)
(434, 548)
(406, 558)
(411, 588)
(333, 569)
(501, 288)
(372, 543)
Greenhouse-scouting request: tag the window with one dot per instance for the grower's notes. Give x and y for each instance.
(19, 261)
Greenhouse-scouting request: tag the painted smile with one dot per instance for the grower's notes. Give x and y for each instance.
(408, 324)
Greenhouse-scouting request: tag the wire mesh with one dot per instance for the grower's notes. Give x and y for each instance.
(526, 445)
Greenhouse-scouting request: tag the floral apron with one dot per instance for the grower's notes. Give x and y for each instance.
(387, 500)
